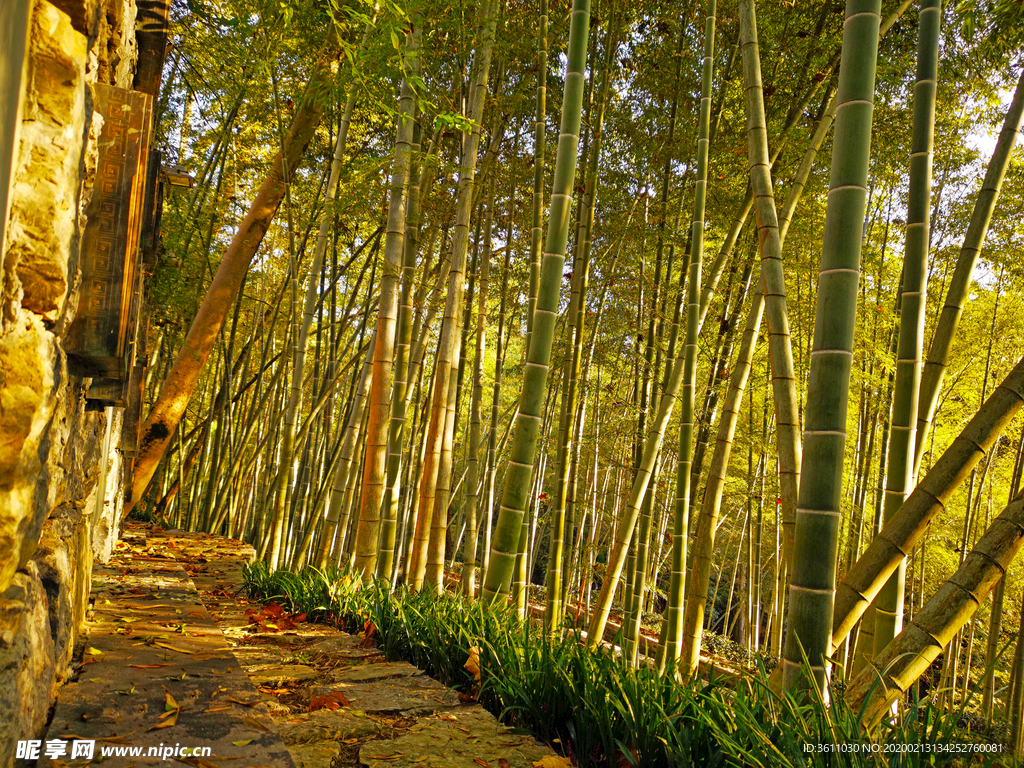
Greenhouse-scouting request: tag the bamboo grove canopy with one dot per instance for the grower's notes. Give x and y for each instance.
(686, 315)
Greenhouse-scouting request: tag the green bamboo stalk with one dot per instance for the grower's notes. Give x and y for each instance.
(561, 512)
(399, 395)
(956, 294)
(902, 532)
(353, 426)
(539, 144)
(519, 475)
(816, 538)
(499, 364)
(903, 420)
(996, 614)
(912, 651)
(684, 373)
(469, 553)
(375, 466)
(429, 564)
(770, 240)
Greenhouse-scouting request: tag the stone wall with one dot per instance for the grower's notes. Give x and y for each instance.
(54, 517)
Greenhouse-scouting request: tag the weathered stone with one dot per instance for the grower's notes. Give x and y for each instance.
(407, 695)
(348, 647)
(14, 18)
(81, 12)
(458, 739)
(117, 59)
(65, 568)
(26, 655)
(325, 725)
(280, 673)
(27, 355)
(318, 755)
(366, 673)
(44, 202)
(49, 443)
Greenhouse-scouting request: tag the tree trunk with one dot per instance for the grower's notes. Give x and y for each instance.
(180, 382)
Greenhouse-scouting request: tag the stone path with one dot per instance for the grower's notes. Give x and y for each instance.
(174, 659)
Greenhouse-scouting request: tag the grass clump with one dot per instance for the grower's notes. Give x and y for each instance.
(593, 706)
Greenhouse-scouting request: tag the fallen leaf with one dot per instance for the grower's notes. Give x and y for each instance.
(503, 763)
(253, 722)
(172, 648)
(332, 701)
(169, 702)
(242, 743)
(552, 761)
(216, 709)
(149, 666)
(273, 691)
(369, 633)
(118, 739)
(93, 651)
(481, 762)
(169, 722)
(473, 662)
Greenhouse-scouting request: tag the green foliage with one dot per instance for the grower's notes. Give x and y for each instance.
(594, 706)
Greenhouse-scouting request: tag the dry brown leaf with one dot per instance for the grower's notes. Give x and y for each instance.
(503, 763)
(481, 762)
(253, 722)
(148, 666)
(332, 701)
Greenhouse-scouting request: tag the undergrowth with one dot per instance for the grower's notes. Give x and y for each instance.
(594, 707)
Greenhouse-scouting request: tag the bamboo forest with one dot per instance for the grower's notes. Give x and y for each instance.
(651, 373)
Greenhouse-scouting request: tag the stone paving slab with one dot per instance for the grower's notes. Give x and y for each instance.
(466, 738)
(368, 673)
(406, 696)
(326, 724)
(152, 649)
(175, 599)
